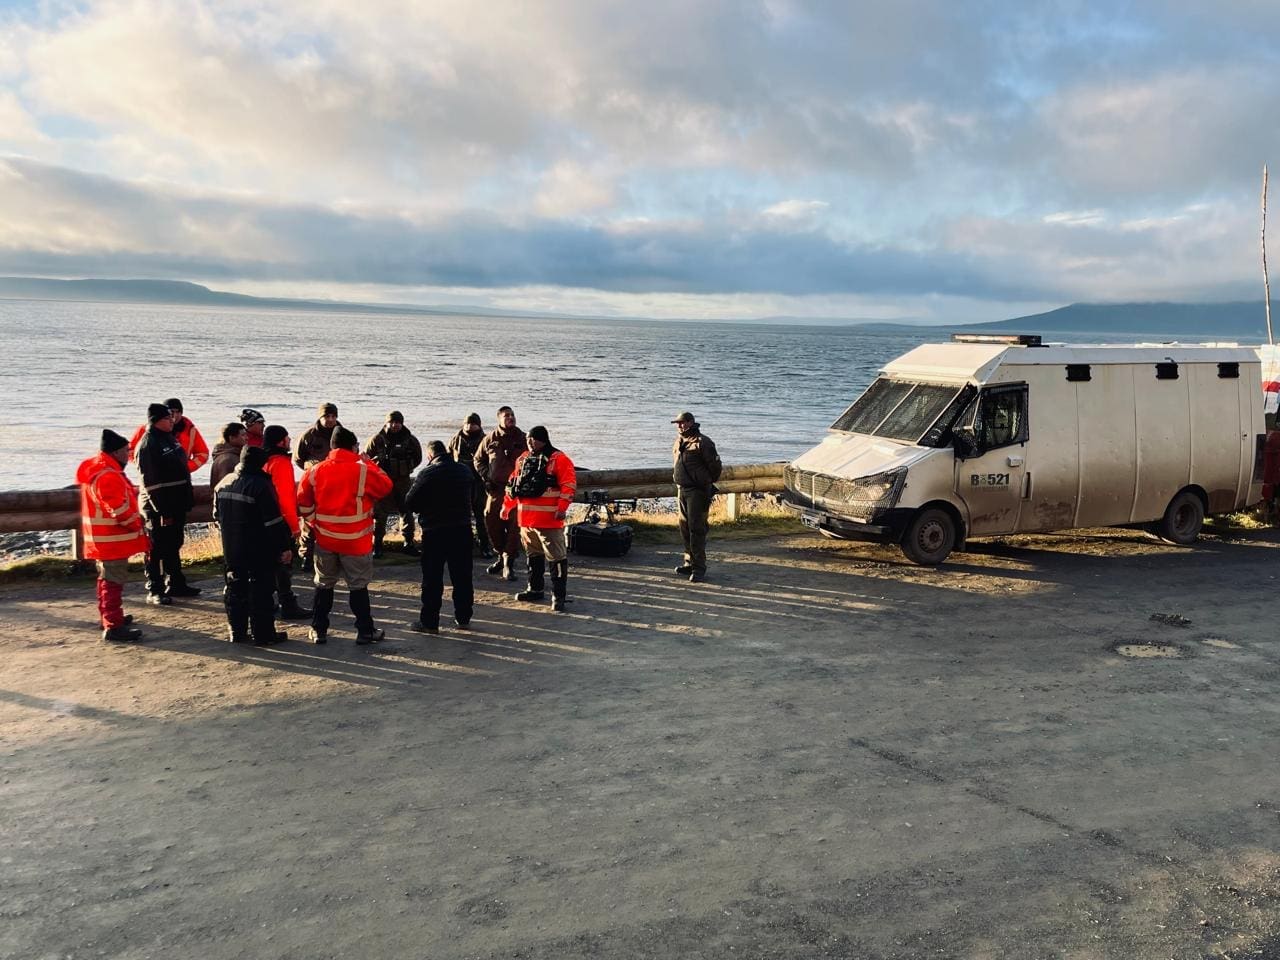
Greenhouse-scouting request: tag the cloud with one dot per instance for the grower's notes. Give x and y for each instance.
(766, 148)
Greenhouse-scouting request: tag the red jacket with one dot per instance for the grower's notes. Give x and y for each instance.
(336, 498)
(279, 468)
(544, 512)
(185, 432)
(109, 519)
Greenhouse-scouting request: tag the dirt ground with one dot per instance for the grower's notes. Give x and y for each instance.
(821, 752)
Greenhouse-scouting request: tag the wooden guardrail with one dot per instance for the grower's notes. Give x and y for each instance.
(23, 511)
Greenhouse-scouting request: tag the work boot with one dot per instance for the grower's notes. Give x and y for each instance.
(184, 591)
(275, 636)
(320, 607)
(417, 626)
(496, 566)
(122, 634)
(698, 576)
(366, 630)
(559, 584)
(684, 569)
(291, 610)
(317, 636)
(537, 582)
(159, 600)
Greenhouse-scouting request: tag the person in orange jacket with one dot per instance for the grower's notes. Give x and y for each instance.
(336, 498)
(112, 528)
(184, 431)
(279, 467)
(543, 484)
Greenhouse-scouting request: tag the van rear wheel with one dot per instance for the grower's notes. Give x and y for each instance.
(930, 537)
(1182, 519)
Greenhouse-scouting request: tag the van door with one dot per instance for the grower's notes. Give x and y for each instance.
(991, 472)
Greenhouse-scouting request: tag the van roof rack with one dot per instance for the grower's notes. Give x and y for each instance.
(1012, 339)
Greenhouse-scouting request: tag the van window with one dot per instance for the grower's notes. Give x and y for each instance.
(897, 409)
(1002, 417)
(1166, 371)
(1229, 371)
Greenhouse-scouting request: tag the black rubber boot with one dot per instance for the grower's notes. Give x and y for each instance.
(559, 584)
(237, 611)
(366, 630)
(320, 607)
(537, 580)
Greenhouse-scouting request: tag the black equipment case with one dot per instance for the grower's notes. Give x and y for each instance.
(599, 539)
(600, 535)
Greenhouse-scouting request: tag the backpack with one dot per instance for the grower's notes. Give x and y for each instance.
(533, 479)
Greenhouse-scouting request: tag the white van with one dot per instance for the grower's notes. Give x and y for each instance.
(991, 435)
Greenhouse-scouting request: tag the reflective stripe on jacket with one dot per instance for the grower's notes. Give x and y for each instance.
(542, 512)
(110, 521)
(336, 498)
(188, 437)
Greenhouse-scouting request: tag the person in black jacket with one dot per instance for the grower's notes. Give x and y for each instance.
(167, 497)
(255, 541)
(441, 497)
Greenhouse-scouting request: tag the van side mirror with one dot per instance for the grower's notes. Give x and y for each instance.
(965, 442)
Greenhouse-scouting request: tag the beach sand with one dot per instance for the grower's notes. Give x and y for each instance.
(821, 752)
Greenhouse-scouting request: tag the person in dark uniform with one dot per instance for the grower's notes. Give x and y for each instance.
(398, 453)
(695, 469)
(167, 497)
(255, 542)
(441, 495)
(463, 447)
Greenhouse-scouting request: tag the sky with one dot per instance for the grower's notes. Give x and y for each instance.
(915, 160)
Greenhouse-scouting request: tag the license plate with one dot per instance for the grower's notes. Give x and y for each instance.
(809, 520)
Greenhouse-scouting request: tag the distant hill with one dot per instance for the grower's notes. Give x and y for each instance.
(182, 293)
(1234, 320)
(1238, 320)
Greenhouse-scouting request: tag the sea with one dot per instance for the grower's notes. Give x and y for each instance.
(606, 390)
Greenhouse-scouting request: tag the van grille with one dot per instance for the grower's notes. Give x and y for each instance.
(817, 490)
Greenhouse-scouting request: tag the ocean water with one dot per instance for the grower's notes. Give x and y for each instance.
(606, 390)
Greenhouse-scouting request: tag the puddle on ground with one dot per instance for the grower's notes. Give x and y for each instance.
(1148, 650)
(1219, 642)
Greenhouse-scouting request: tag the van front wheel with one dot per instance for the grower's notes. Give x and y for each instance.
(1182, 519)
(930, 537)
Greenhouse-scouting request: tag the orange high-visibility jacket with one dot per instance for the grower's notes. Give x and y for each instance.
(540, 512)
(279, 468)
(109, 519)
(336, 498)
(188, 436)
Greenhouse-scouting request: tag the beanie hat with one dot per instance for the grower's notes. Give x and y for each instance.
(272, 436)
(472, 418)
(157, 412)
(344, 439)
(395, 416)
(252, 458)
(173, 403)
(250, 416)
(112, 441)
(539, 433)
(326, 408)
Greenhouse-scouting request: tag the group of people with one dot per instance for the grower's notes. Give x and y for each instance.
(516, 489)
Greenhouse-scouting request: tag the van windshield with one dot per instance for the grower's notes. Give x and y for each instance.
(902, 410)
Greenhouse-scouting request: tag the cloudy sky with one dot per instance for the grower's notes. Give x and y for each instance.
(672, 158)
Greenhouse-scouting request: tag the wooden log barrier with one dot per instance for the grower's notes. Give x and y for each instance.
(23, 511)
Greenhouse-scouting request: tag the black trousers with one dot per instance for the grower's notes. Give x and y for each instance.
(451, 547)
(249, 596)
(284, 579)
(164, 564)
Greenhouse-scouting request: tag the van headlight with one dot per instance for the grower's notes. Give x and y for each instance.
(880, 490)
